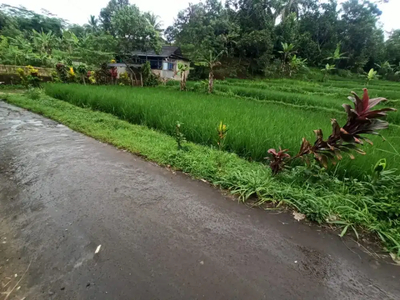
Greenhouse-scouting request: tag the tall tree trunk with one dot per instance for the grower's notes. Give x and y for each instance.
(83, 78)
(141, 79)
(211, 81)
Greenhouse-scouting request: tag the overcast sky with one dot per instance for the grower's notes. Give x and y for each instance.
(78, 11)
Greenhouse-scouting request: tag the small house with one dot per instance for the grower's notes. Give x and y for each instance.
(164, 64)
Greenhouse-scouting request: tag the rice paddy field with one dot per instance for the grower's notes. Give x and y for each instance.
(259, 114)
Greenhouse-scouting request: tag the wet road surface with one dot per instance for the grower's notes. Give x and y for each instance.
(162, 235)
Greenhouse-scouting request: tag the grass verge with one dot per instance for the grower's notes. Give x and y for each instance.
(355, 205)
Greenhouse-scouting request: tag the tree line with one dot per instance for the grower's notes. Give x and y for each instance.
(43, 40)
(250, 37)
(259, 36)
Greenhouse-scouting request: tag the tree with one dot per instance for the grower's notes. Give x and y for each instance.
(392, 48)
(182, 70)
(43, 42)
(296, 64)
(78, 30)
(93, 22)
(211, 61)
(26, 20)
(97, 48)
(328, 69)
(287, 51)
(337, 55)
(153, 20)
(133, 31)
(371, 75)
(362, 40)
(82, 71)
(318, 31)
(107, 13)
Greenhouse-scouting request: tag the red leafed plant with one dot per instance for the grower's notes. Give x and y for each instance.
(278, 159)
(360, 120)
(114, 72)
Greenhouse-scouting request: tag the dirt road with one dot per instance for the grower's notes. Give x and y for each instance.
(162, 235)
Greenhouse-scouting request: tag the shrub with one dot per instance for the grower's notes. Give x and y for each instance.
(124, 79)
(149, 78)
(62, 72)
(29, 76)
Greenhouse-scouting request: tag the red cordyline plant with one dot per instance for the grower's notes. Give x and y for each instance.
(360, 120)
(278, 160)
(114, 72)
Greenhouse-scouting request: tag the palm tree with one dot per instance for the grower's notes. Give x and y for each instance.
(283, 8)
(93, 23)
(291, 6)
(153, 20)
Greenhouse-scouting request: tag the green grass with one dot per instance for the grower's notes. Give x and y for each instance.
(351, 204)
(300, 93)
(254, 127)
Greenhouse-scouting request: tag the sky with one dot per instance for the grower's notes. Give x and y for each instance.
(78, 11)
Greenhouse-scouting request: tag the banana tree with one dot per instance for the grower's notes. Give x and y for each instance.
(182, 71)
(328, 68)
(43, 42)
(211, 61)
(295, 64)
(385, 68)
(371, 75)
(287, 51)
(337, 55)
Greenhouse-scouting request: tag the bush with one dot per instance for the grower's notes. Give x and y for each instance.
(149, 78)
(29, 76)
(34, 93)
(62, 72)
(124, 79)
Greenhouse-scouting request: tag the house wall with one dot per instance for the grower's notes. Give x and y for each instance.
(163, 74)
(121, 70)
(171, 74)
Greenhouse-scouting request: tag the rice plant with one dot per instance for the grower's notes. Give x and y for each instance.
(254, 127)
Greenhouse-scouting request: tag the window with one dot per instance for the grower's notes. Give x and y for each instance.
(170, 66)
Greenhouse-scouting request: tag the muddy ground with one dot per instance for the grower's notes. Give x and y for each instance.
(162, 235)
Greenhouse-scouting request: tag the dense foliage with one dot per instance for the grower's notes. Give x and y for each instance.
(28, 38)
(256, 37)
(265, 37)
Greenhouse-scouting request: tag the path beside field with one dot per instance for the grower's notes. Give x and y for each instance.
(162, 235)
